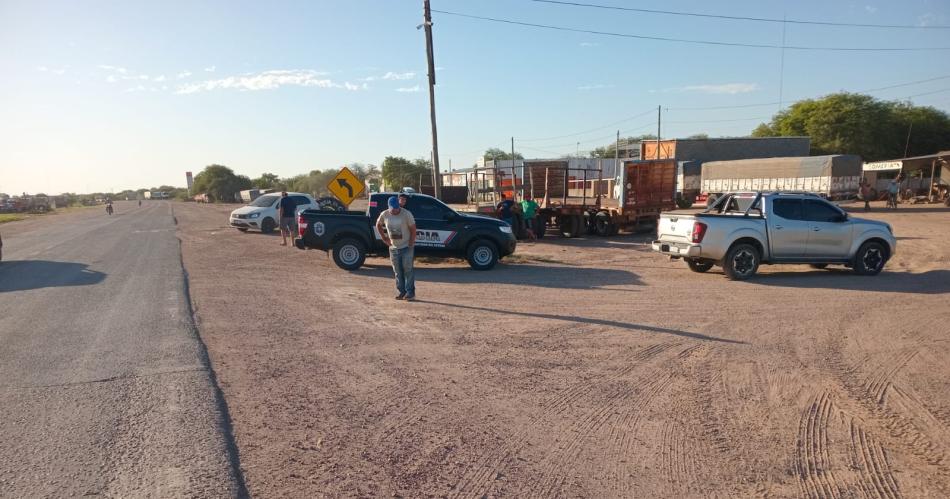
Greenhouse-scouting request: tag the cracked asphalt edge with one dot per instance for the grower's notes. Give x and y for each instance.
(224, 416)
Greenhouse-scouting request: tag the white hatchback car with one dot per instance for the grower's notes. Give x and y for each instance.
(262, 213)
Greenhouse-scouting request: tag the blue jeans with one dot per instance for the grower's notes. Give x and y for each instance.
(402, 266)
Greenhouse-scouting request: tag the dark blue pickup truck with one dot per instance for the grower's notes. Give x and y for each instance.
(440, 231)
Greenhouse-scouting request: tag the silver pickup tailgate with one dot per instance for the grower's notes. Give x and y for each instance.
(675, 227)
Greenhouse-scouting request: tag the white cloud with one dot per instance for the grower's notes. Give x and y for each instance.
(399, 76)
(928, 19)
(210, 69)
(267, 80)
(871, 9)
(159, 78)
(409, 89)
(137, 88)
(724, 88)
(117, 69)
(44, 69)
(143, 77)
(596, 86)
(184, 74)
(589, 44)
(111, 79)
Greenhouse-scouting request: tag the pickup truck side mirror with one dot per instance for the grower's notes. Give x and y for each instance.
(449, 216)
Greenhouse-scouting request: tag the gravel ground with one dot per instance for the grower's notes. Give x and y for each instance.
(587, 367)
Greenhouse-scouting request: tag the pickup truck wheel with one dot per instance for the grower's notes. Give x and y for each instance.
(870, 259)
(818, 266)
(699, 266)
(349, 253)
(268, 225)
(482, 255)
(602, 224)
(741, 262)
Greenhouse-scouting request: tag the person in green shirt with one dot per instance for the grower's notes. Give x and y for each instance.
(529, 208)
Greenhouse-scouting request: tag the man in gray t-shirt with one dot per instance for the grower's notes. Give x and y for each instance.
(397, 228)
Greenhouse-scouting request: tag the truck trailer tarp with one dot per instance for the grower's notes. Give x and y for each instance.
(835, 175)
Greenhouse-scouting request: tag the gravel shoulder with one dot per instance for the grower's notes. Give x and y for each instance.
(587, 367)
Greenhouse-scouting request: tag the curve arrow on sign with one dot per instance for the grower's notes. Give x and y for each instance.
(346, 185)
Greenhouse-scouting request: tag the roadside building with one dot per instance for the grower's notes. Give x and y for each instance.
(926, 177)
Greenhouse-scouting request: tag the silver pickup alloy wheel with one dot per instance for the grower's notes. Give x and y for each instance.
(741, 262)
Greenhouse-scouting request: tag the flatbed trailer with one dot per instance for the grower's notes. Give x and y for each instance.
(574, 198)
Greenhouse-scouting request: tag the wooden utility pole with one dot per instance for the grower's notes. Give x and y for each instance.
(436, 177)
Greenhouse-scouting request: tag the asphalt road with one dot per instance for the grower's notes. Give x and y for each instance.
(105, 388)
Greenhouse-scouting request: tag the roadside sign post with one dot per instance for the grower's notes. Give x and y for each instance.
(346, 186)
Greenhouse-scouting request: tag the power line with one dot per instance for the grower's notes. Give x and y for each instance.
(695, 42)
(742, 18)
(897, 85)
(588, 131)
(722, 121)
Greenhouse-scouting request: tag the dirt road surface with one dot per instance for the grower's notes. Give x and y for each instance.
(580, 368)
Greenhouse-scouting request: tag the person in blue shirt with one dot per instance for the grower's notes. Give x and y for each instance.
(286, 209)
(504, 209)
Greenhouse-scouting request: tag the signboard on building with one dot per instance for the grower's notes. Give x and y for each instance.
(880, 166)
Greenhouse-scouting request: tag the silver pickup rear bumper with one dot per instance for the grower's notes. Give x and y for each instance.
(678, 250)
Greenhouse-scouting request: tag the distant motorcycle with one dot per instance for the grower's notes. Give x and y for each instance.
(109, 209)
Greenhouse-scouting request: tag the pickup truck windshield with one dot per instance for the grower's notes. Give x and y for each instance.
(264, 201)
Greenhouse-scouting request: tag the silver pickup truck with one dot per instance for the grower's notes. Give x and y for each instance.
(745, 229)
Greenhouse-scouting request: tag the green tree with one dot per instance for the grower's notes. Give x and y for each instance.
(220, 182)
(496, 153)
(399, 172)
(267, 181)
(846, 123)
(608, 151)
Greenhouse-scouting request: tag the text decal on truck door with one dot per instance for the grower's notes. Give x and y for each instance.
(434, 237)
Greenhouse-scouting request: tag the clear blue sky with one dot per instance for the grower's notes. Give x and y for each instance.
(103, 95)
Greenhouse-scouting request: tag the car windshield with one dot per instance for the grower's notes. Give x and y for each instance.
(264, 201)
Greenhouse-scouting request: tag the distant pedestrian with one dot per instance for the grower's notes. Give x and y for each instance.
(286, 208)
(403, 199)
(397, 227)
(504, 209)
(530, 209)
(866, 194)
(892, 189)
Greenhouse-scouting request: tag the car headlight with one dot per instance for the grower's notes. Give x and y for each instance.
(255, 215)
(505, 228)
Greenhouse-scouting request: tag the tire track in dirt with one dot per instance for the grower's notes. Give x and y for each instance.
(476, 477)
(813, 461)
(877, 479)
(907, 420)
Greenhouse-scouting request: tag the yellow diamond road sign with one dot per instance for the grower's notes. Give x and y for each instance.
(346, 186)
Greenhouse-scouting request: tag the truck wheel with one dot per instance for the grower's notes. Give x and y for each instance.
(268, 225)
(685, 202)
(482, 255)
(602, 224)
(699, 266)
(870, 259)
(349, 253)
(580, 222)
(568, 226)
(540, 227)
(742, 260)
